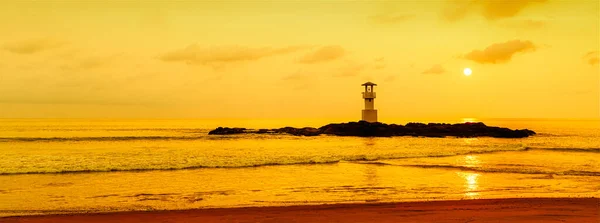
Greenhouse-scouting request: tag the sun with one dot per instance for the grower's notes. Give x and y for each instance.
(467, 71)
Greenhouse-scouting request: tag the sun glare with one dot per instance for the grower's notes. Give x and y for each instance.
(467, 71)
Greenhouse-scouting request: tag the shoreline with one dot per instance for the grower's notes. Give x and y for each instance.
(480, 210)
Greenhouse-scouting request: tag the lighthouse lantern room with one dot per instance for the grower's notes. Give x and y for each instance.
(369, 114)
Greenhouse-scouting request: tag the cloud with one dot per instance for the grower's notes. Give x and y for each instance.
(91, 62)
(299, 75)
(323, 54)
(592, 57)
(194, 54)
(593, 61)
(527, 24)
(435, 69)
(496, 9)
(72, 100)
(500, 52)
(456, 10)
(390, 78)
(389, 18)
(379, 63)
(32, 46)
(490, 9)
(352, 68)
(300, 80)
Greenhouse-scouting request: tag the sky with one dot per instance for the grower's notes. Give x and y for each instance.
(299, 59)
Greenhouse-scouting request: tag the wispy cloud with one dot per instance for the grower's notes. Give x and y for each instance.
(32, 46)
(352, 68)
(496, 9)
(196, 55)
(379, 63)
(500, 52)
(526, 24)
(300, 80)
(592, 57)
(435, 69)
(299, 75)
(91, 62)
(323, 54)
(456, 10)
(490, 9)
(390, 18)
(390, 78)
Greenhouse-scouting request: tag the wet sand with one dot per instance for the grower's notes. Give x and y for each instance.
(516, 210)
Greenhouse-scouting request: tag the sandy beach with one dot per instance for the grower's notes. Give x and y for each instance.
(486, 210)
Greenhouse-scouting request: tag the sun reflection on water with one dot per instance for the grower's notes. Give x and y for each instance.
(470, 141)
(471, 184)
(471, 179)
(471, 161)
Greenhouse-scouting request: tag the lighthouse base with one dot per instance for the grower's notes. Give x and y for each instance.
(369, 115)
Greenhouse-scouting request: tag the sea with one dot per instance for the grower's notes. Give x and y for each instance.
(62, 166)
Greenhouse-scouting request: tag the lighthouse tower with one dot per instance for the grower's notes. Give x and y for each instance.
(369, 114)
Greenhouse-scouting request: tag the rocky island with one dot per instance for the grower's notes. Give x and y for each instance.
(378, 129)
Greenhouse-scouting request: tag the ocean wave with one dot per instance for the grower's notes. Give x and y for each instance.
(519, 170)
(581, 150)
(79, 129)
(188, 137)
(308, 160)
(359, 160)
(144, 169)
(99, 138)
(283, 162)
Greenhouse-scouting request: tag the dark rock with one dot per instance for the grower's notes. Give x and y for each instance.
(360, 128)
(378, 129)
(307, 131)
(263, 131)
(227, 131)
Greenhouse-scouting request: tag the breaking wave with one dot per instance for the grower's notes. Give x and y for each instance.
(501, 170)
(311, 160)
(106, 138)
(308, 160)
(580, 150)
(163, 168)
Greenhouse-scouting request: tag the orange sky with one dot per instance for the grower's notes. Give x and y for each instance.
(299, 59)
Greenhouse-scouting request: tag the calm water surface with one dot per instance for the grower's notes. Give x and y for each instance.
(65, 166)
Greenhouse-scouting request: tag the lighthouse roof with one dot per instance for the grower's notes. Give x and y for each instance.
(369, 84)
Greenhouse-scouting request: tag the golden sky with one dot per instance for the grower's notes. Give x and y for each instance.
(299, 59)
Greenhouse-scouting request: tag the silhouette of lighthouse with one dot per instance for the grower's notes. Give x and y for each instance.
(369, 114)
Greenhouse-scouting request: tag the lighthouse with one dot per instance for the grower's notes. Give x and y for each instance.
(369, 114)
